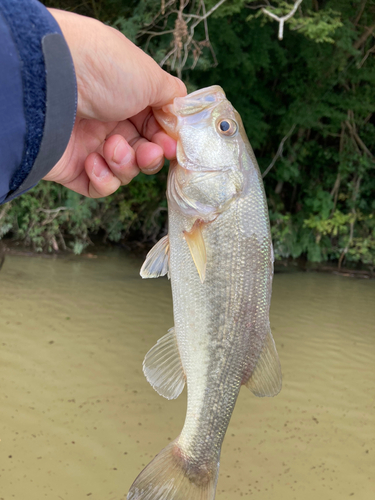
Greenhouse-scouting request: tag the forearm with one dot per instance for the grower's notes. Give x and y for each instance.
(37, 95)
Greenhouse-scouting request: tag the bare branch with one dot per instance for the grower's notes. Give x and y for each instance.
(366, 56)
(363, 38)
(52, 214)
(255, 7)
(360, 143)
(208, 37)
(195, 24)
(361, 9)
(155, 33)
(152, 23)
(165, 59)
(62, 241)
(356, 184)
(368, 117)
(216, 6)
(183, 47)
(53, 210)
(282, 20)
(335, 192)
(279, 150)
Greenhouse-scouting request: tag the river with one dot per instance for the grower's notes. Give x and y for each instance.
(79, 420)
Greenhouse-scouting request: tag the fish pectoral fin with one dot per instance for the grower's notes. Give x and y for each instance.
(157, 260)
(197, 247)
(162, 367)
(266, 379)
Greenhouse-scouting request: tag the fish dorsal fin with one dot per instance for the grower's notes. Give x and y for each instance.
(266, 378)
(197, 247)
(157, 260)
(162, 367)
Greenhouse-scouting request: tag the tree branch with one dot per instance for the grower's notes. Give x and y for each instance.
(183, 46)
(361, 9)
(279, 150)
(366, 56)
(282, 20)
(360, 143)
(207, 14)
(256, 7)
(53, 210)
(362, 39)
(356, 183)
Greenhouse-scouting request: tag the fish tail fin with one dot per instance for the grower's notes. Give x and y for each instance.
(172, 476)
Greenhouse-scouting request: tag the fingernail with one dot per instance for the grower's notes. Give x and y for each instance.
(155, 166)
(99, 170)
(120, 153)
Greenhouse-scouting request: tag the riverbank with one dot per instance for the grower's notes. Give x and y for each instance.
(140, 250)
(289, 265)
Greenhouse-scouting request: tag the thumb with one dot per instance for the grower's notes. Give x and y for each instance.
(166, 88)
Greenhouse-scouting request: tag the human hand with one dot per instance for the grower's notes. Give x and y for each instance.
(115, 135)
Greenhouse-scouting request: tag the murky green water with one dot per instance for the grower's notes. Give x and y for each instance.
(78, 419)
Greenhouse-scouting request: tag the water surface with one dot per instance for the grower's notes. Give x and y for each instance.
(78, 419)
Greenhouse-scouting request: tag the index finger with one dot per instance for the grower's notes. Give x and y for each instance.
(147, 126)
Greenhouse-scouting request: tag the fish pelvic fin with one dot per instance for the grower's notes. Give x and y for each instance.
(197, 247)
(163, 368)
(172, 476)
(157, 260)
(266, 379)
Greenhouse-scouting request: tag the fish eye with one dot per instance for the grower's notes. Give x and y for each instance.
(227, 127)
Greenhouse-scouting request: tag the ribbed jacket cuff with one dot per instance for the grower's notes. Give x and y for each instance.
(49, 88)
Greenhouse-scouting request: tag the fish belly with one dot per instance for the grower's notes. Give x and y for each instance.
(220, 324)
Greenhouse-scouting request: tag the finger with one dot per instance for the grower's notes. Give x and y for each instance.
(120, 158)
(145, 122)
(102, 182)
(167, 144)
(166, 87)
(147, 126)
(149, 156)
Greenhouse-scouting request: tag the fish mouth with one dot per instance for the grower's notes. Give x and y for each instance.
(196, 102)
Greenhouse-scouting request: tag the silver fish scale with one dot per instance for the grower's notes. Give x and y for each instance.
(221, 324)
(219, 234)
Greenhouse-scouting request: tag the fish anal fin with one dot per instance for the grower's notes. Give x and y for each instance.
(157, 260)
(197, 247)
(163, 368)
(266, 379)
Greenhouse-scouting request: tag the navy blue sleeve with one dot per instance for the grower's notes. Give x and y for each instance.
(38, 95)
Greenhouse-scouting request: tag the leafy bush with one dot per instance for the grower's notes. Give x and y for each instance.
(51, 217)
(315, 89)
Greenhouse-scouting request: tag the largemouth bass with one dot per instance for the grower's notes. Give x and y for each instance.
(218, 255)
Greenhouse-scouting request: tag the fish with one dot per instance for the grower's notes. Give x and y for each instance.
(219, 258)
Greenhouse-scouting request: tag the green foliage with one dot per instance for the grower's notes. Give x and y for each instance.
(50, 217)
(320, 78)
(319, 26)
